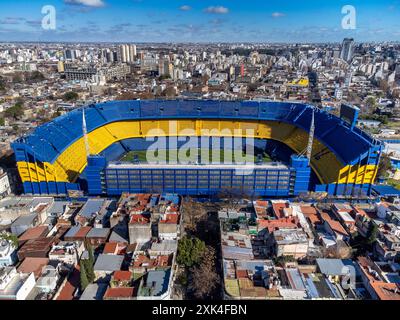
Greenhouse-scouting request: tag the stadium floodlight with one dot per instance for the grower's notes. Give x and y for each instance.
(84, 130)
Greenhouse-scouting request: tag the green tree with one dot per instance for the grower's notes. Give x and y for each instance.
(190, 251)
(36, 76)
(89, 263)
(9, 237)
(70, 96)
(2, 84)
(2, 122)
(282, 260)
(371, 102)
(384, 165)
(15, 111)
(372, 233)
(83, 276)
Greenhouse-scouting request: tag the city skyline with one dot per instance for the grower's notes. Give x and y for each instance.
(198, 21)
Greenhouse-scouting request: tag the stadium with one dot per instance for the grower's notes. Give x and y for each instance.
(70, 153)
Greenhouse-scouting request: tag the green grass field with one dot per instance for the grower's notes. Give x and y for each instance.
(141, 155)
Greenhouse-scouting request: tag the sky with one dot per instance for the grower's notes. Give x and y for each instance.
(199, 21)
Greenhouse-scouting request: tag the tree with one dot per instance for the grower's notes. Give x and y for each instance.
(2, 122)
(164, 77)
(192, 212)
(384, 165)
(127, 96)
(232, 198)
(383, 85)
(204, 276)
(89, 263)
(70, 96)
(169, 92)
(370, 104)
(282, 260)
(190, 251)
(10, 237)
(84, 282)
(17, 78)
(204, 79)
(339, 251)
(36, 76)
(372, 233)
(15, 111)
(2, 84)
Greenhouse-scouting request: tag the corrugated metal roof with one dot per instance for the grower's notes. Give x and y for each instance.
(108, 262)
(92, 206)
(98, 233)
(336, 267)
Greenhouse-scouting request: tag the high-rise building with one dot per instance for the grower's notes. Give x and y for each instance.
(132, 51)
(161, 67)
(123, 54)
(60, 66)
(70, 54)
(347, 49)
(128, 53)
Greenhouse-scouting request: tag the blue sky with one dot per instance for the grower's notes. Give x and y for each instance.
(199, 20)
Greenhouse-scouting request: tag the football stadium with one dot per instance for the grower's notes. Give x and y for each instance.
(308, 149)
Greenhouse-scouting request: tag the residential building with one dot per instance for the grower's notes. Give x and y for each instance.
(106, 264)
(5, 188)
(15, 285)
(290, 242)
(8, 253)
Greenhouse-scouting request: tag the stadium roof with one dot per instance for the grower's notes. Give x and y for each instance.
(51, 139)
(386, 191)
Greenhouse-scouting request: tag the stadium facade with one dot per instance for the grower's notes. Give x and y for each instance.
(53, 159)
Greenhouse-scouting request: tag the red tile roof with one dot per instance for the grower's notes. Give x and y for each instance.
(110, 248)
(241, 274)
(278, 209)
(34, 265)
(36, 248)
(272, 225)
(262, 203)
(82, 232)
(312, 214)
(334, 224)
(122, 275)
(386, 291)
(170, 218)
(119, 293)
(139, 219)
(70, 286)
(34, 233)
(144, 261)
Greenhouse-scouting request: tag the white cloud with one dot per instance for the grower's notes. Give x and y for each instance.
(216, 9)
(185, 8)
(88, 3)
(277, 14)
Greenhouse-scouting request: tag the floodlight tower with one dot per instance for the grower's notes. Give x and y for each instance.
(310, 137)
(85, 137)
